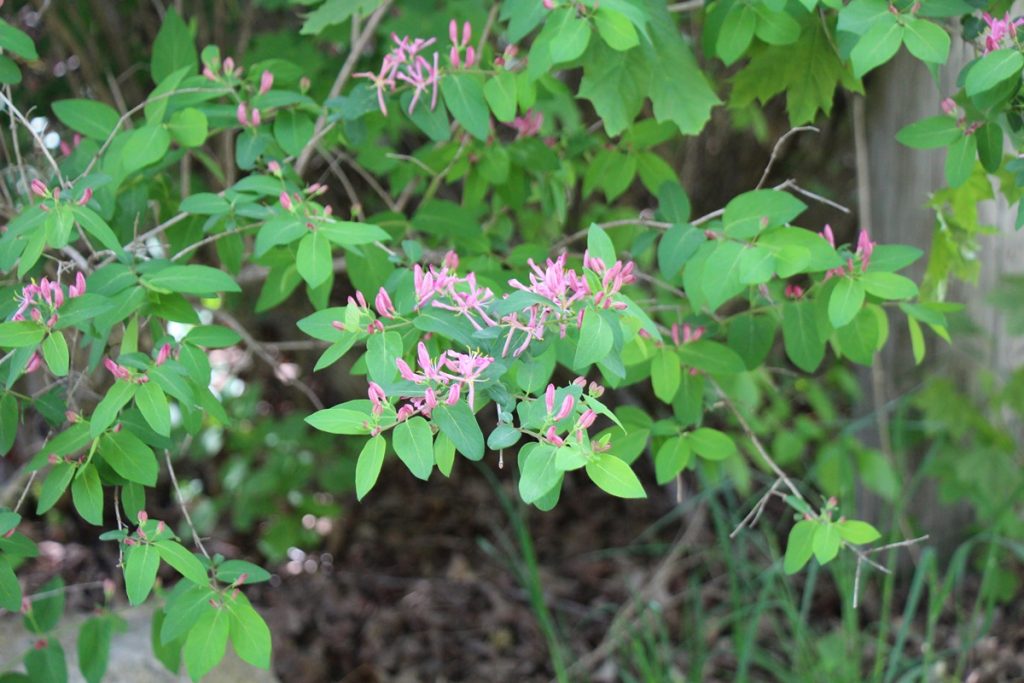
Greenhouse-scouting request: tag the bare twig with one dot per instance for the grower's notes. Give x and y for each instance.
(322, 127)
(778, 148)
(181, 498)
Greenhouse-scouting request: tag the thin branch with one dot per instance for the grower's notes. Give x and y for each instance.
(322, 127)
(778, 148)
(181, 498)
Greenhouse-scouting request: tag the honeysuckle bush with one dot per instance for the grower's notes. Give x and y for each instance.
(467, 250)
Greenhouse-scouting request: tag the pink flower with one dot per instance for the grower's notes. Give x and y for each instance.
(118, 371)
(163, 354)
(998, 30)
(266, 82)
(383, 304)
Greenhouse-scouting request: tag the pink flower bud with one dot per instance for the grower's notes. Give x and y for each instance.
(286, 201)
(86, 196)
(567, 404)
(163, 354)
(39, 188)
(266, 82)
(383, 304)
(241, 115)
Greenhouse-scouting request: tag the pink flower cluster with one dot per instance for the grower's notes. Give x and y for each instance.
(999, 30)
(582, 423)
(449, 375)
(458, 45)
(442, 288)
(405, 63)
(41, 301)
(865, 247)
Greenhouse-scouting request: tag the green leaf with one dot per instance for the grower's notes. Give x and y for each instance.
(888, 286)
(926, 41)
(826, 542)
(672, 458)
(152, 403)
(292, 131)
(711, 356)
(368, 466)
(751, 212)
(930, 133)
(143, 147)
(464, 96)
(459, 424)
(173, 48)
(571, 35)
(413, 443)
(21, 333)
(250, 635)
(616, 84)
(349, 418)
(16, 41)
(10, 589)
(93, 119)
(676, 247)
(501, 95)
(206, 643)
(992, 70)
(736, 33)
(313, 259)
(616, 29)
(539, 474)
(87, 495)
(130, 457)
(600, 245)
(444, 454)
(141, 562)
(877, 46)
(803, 342)
(232, 570)
(857, 533)
(184, 562)
(614, 476)
(503, 436)
(711, 444)
(212, 336)
(9, 423)
(191, 279)
(666, 372)
(110, 406)
(845, 301)
(94, 647)
(10, 73)
(960, 160)
(53, 488)
(799, 546)
(596, 339)
(55, 353)
(189, 127)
